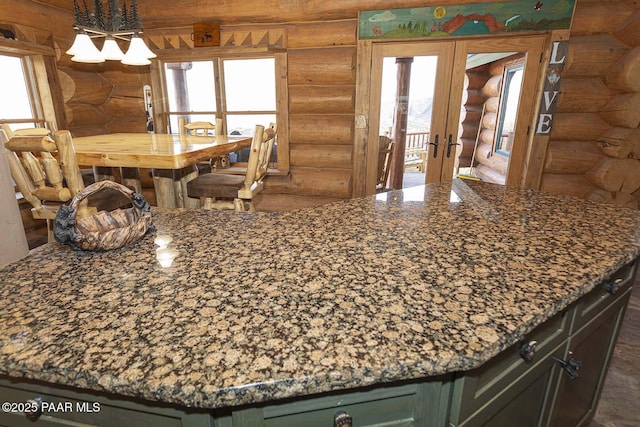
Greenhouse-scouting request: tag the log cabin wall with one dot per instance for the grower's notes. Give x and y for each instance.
(594, 135)
(594, 146)
(481, 119)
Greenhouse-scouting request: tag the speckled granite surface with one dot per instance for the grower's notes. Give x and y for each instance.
(264, 306)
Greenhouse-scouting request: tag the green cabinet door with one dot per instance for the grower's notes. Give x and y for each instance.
(524, 403)
(592, 345)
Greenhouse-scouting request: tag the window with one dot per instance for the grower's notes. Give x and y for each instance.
(240, 91)
(18, 107)
(509, 109)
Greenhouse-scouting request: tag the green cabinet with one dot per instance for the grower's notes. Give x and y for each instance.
(409, 405)
(69, 407)
(508, 391)
(592, 345)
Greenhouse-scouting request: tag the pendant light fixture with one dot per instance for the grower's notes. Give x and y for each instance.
(122, 24)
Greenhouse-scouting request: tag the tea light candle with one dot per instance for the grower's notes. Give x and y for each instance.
(165, 256)
(163, 240)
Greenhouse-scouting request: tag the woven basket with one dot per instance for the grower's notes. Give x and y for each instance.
(103, 230)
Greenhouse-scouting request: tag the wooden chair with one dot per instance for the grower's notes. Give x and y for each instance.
(200, 128)
(46, 172)
(203, 129)
(224, 191)
(385, 153)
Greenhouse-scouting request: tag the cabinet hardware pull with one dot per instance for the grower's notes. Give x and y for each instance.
(435, 146)
(528, 350)
(570, 366)
(612, 287)
(342, 419)
(35, 403)
(449, 144)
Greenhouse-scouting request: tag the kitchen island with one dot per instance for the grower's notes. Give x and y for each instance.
(367, 300)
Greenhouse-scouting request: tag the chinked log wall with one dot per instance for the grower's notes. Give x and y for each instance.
(594, 149)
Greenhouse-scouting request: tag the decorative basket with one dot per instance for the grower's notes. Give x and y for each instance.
(104, 230)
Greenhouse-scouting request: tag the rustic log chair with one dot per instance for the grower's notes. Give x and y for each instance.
(385, 153)
(215, 190)
(202, 129)
(47, 174)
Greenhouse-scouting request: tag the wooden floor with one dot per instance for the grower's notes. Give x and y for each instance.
(620, 401)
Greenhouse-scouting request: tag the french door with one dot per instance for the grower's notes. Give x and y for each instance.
(442, 93)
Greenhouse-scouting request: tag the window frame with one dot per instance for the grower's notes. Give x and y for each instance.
(161, 100)
(29, 66)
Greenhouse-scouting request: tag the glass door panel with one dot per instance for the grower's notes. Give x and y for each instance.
(409, 93)
(491, 110)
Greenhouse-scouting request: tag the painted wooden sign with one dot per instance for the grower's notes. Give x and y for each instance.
(551, 87)
(467, 19)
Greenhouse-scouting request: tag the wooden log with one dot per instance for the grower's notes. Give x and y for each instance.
(578, 126)
(621, 143)
(625, 75)
(326, 66)
(272, 202)
(85, 115)
(126, 124)
(613, 197)
(467, 147)
(629, 33)
(125, 107)
(38, 15)
(592, 56)
(493, 86)
(319, 129)
(321, 34)
(84, 87)
(623, 110)
(475, 97)
(486, 157)
(571, 157)
(89, 130)
(487, 136)
(616, 174)
(598, 18)
(68, 161)
(490, 120)
(314, 182)
(477, 79)
(585, 94)
(492, 105)
(321, 99)
(320, 156)
(469, 130)
(573, 185)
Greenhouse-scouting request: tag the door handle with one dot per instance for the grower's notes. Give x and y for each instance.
(449, 144)
(435, 146)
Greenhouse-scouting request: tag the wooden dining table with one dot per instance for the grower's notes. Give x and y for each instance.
(172, 158)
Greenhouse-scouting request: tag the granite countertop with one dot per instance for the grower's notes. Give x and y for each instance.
(263, 306)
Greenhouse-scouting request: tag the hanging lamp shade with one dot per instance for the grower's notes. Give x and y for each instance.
(111, 50)
(138, 53)
(83, 50)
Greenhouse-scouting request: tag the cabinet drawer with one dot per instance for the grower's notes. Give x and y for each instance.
(65, 407)
(599, 299)
(393, 407)
(418, 404)
(475, 388)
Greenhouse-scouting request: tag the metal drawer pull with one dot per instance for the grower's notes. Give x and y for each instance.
(528, 350)
(570, 366)
(35, 403)
(342, 419)
(612, 287)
